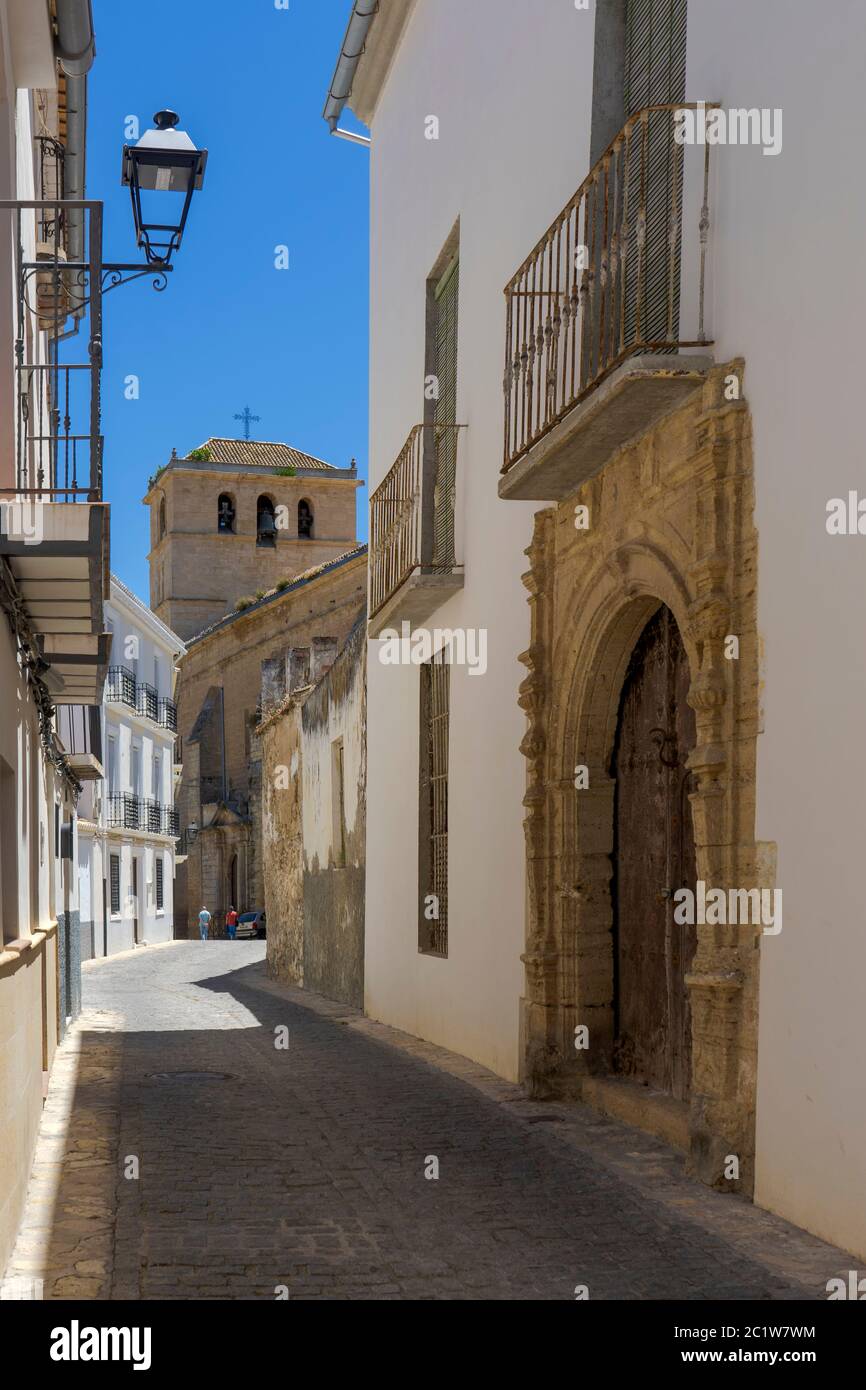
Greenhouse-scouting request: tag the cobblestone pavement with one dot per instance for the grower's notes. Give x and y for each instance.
(300, 1172)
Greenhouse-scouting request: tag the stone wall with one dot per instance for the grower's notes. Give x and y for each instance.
(314, 856)
(197, 572)
(282, 844)
(334, 857)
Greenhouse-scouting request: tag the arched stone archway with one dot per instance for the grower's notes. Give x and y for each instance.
(671, 524)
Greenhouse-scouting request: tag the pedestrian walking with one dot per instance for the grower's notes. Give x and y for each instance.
(203, 923)
(231, 923)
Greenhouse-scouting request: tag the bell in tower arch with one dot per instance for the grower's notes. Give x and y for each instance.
(266, 524)
(225, 514)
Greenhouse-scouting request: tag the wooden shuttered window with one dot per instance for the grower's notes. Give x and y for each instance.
(445, 298)
(655, 74)
(433, 818)
(114, 881)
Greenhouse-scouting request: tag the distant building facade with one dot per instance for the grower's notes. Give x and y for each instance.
(128, 825)
(219, 710)
(233, 519)
(314, 798)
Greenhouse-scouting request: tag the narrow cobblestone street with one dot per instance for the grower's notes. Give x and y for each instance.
(183, 1154)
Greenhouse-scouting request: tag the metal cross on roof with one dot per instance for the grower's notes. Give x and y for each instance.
(247, 419)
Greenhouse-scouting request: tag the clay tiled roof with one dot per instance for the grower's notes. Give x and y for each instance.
(257, 454)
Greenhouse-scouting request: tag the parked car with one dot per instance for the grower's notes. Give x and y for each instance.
(252, 924)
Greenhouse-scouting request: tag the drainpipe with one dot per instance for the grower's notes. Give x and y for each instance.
(75, 50)
(75, 45)
(74, 163)
(360, 22)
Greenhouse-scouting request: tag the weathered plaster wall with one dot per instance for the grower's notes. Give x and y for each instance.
(334, 872)
(282, 848)
(314, 871)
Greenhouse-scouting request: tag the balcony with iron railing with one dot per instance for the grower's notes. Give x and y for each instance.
(120, 687)
(605, 327)
(147, 701)
(125, 811)
(413, 569)
(53, 522)
(167, 714)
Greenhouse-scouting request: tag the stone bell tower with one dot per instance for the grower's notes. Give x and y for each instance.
(235, 518)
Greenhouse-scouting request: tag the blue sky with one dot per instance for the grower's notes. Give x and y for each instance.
(249, 82)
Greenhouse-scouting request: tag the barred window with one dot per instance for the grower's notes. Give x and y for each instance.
(433, 809)
(159, 882)
(114, 878)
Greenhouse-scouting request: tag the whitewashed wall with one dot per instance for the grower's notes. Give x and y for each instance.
(789, 294)
(511, 85)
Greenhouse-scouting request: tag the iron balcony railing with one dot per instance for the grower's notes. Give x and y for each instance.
(120, 686)
(168, 714)
(412, 512)
(603, 283)
(185, 841)
(52, 220)
(55, 245)
(147, 701)
(123, 811)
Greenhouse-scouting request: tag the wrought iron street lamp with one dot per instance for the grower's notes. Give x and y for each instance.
(164, 160)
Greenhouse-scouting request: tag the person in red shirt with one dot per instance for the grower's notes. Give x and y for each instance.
(231, 923)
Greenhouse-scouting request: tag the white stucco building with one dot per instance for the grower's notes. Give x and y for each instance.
(53, 552)
(127, 821)
(485, 120)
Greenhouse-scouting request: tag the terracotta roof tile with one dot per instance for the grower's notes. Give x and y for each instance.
(259, 454)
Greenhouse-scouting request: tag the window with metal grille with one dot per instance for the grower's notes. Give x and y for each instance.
(114, 881)
(443, 342)
(433, 816)
(159, 882)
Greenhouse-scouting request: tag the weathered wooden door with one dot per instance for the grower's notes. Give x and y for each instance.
(654, 854)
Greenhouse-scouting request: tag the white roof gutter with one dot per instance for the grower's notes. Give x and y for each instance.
(360, 21)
